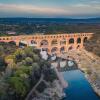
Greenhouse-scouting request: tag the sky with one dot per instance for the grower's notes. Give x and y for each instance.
(50, 8)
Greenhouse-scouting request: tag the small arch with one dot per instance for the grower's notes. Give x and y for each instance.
(63, 41)
(70, 48)
(85, 39)
(45, 49)
(33, 42)
(54, 42)
(54, 49)
(43, 42)
(7, 38)
(71, 41)
(79, 40)
(3, 38)
(78, 46)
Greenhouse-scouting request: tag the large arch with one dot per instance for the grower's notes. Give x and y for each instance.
(43, 43)
(23, 43)
(79, 40)
(54, 42)
(71, 40)
(85, 39)
(54, 49)
(33, 42)
(62, 49)
(63, 41)
(12, 42)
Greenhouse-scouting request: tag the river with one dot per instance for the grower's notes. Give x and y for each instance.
(78, 87)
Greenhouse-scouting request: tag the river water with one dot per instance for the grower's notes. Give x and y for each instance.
(79, 88)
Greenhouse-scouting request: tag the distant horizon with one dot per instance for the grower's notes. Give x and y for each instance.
(52, 17)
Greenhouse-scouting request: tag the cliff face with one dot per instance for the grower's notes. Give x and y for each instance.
(93, 45)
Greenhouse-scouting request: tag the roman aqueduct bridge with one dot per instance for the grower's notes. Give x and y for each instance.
(56, 43)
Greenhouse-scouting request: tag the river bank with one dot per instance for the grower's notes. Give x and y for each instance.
(93, 85)
(79, 88)
(92, 74)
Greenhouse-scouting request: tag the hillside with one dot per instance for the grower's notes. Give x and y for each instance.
(93, 45)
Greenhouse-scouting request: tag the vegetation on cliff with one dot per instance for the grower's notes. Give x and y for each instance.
(22, 70)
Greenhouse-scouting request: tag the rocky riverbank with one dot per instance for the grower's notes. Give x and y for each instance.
(92, 74)
(54, 92)
(89, 63)
(95, 86)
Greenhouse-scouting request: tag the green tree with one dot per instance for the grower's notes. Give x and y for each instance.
(23, 70)
(35, 66)
(3, 89)
(19, 85)
(36, 58)
(19, 55)
(28, 61)
(1, 50)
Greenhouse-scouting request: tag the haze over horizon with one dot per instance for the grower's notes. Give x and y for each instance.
(50, 8)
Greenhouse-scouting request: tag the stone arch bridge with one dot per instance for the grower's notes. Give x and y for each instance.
(56, 43)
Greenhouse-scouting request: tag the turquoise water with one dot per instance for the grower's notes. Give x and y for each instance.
(79, 88)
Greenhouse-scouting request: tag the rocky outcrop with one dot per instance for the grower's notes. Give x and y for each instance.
(54, 92)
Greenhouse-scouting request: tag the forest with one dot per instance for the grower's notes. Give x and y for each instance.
(20, 70)
(50, 28)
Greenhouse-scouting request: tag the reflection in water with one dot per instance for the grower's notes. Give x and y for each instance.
(79, 88)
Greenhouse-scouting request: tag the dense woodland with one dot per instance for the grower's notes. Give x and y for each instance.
(50, 28)
(20, 70)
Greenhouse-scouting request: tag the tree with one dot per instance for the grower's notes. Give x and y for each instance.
(2, 64)
(19, 85)
(36, 58)
(1, 50)
(28, 61)
(3, 89)
(36, 71)
(35, 66)
(23, 70)
(29, 51)
(19, 55)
